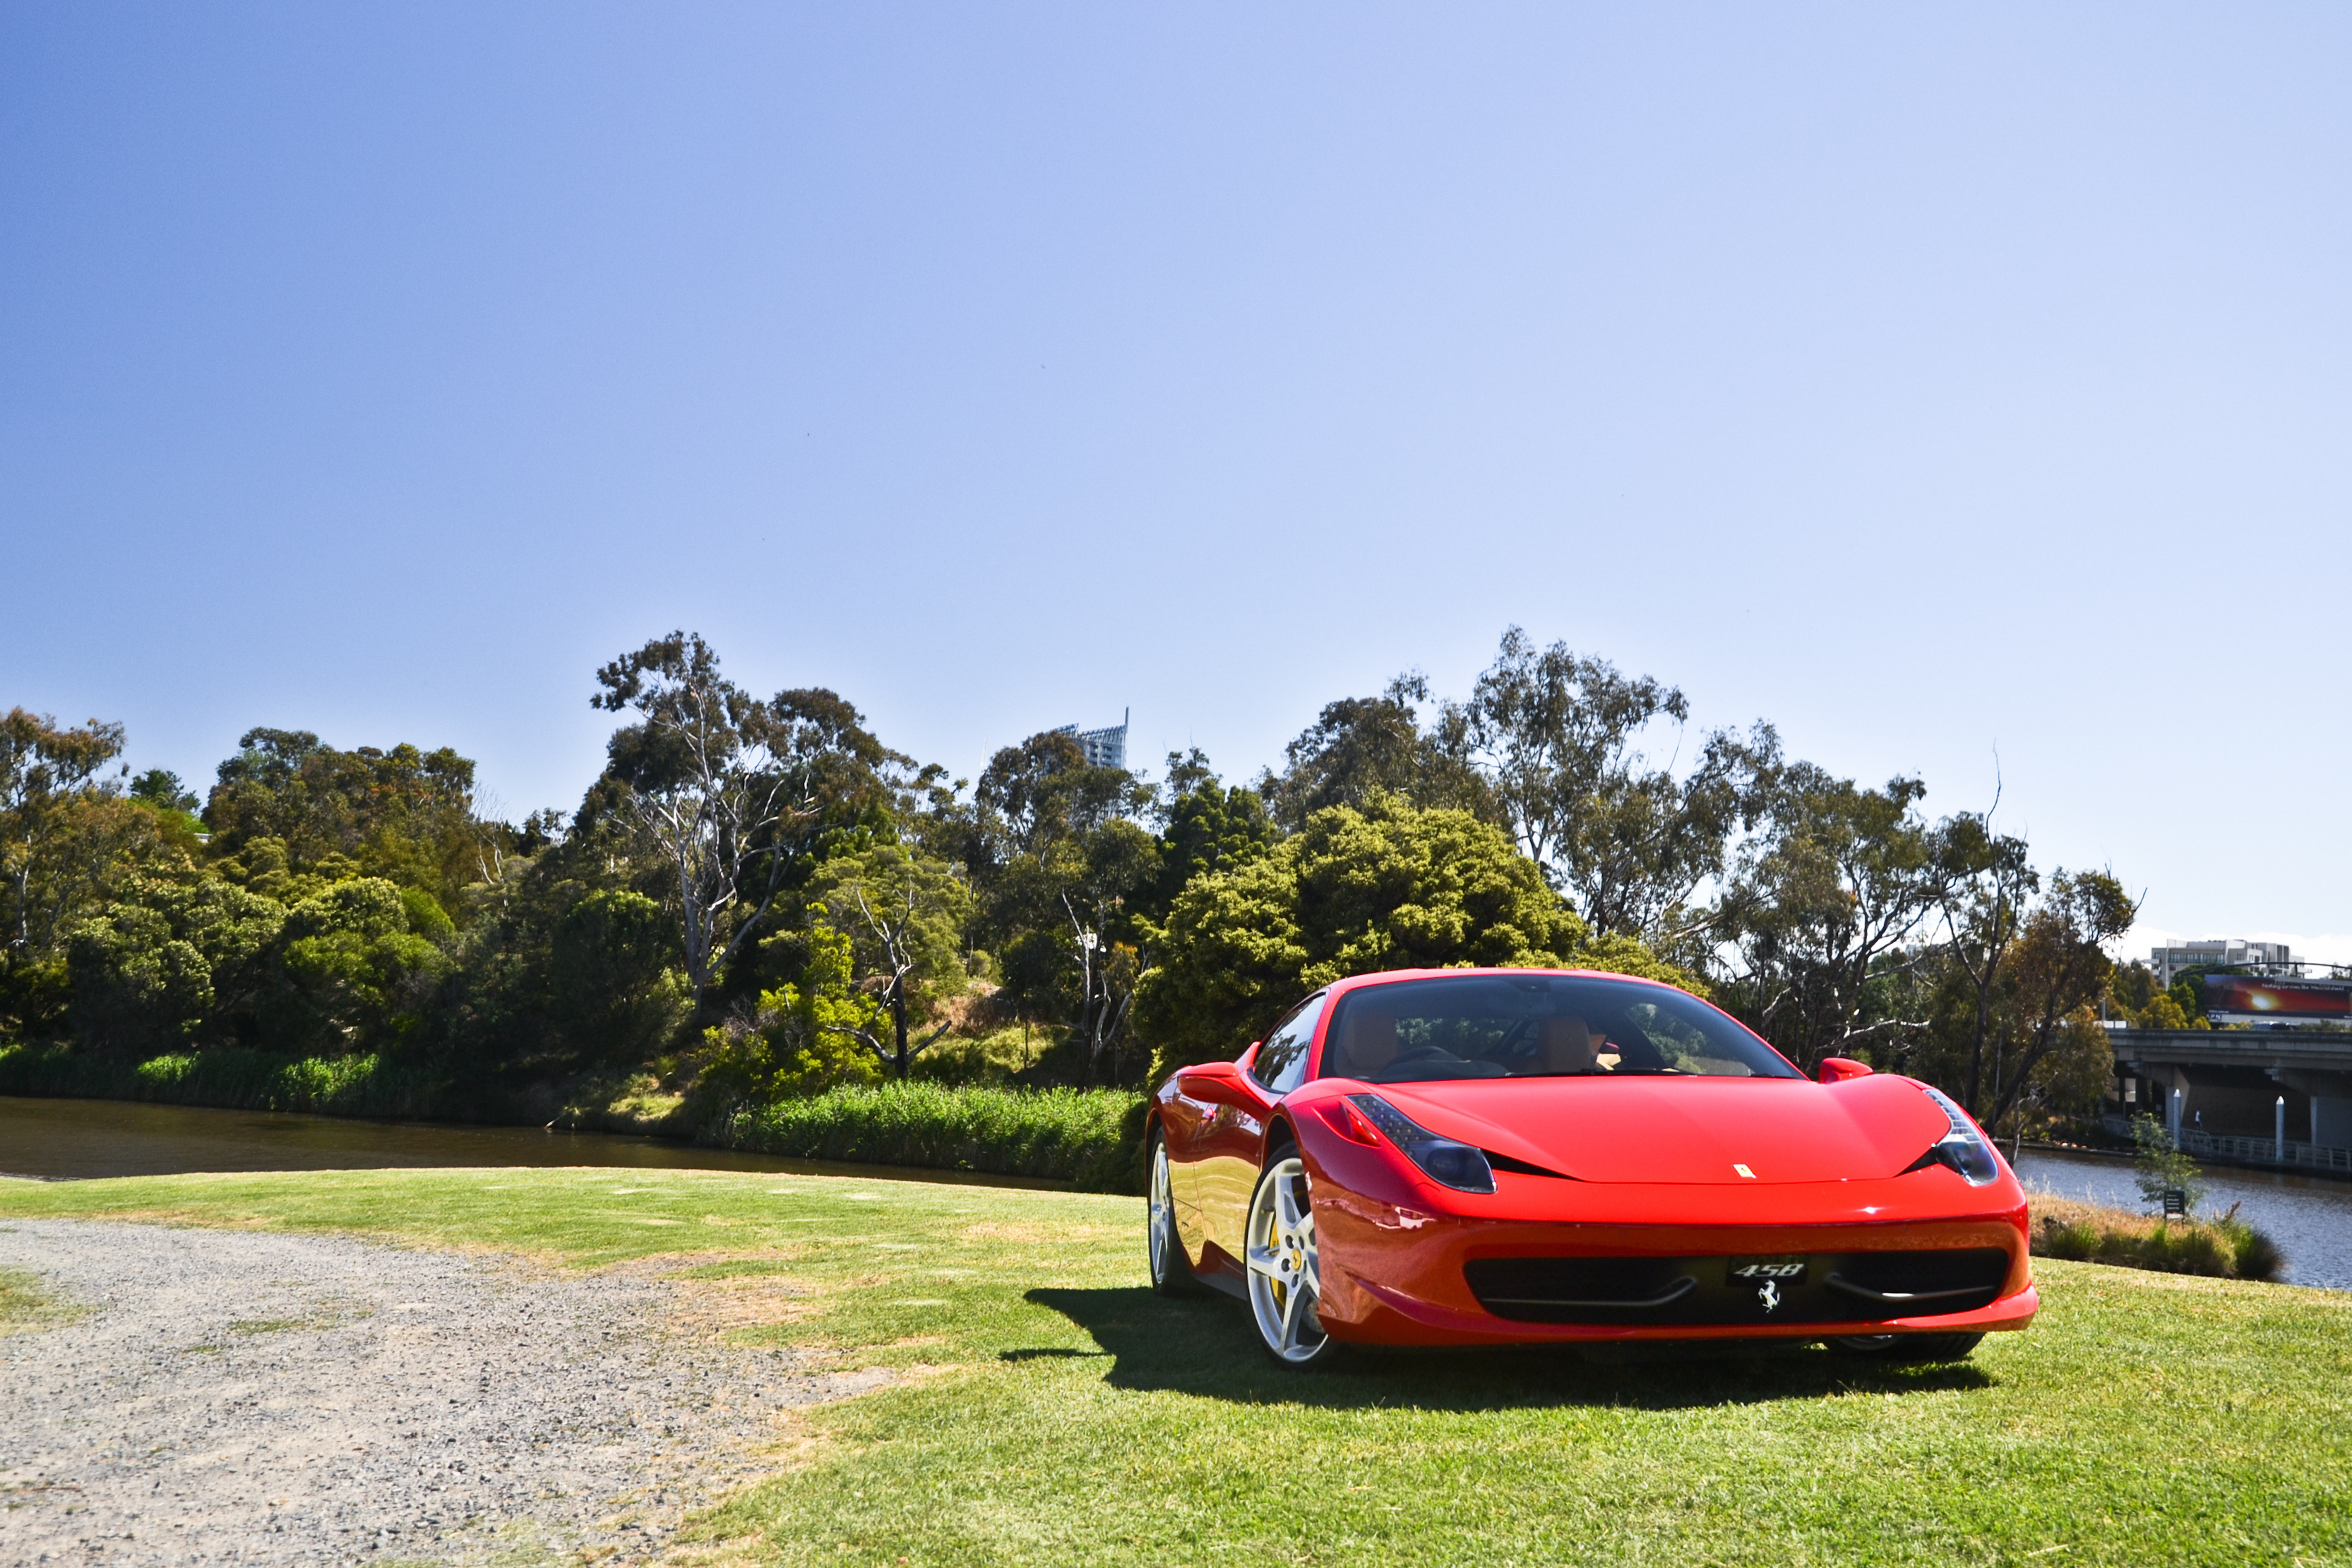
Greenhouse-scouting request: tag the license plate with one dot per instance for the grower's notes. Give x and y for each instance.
(1783, 1271)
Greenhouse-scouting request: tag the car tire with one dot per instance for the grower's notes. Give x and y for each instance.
(1163, 1246)
(1906, 1349)
(1284, 1270)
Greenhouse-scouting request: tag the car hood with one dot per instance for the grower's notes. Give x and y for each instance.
(1685, 1130)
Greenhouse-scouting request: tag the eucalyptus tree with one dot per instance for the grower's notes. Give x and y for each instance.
(403, 814)
(1557, 734)
(1066, 875)
(904, 914)
(1388, 886)
(730, 787)
(55, 838)
(2059, 968)
(1987, 882)
(1361, 747)
(1823, 901)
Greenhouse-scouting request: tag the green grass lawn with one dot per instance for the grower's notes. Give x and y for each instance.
(1060, 1413)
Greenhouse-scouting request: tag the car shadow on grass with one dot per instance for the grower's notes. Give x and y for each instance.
(1209, 1348)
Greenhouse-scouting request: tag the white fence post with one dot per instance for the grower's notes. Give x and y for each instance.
(2278, 1123)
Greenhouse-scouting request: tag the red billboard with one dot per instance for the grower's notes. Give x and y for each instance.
(2253, 999)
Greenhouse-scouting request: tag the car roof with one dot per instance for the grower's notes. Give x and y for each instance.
(1389, 977)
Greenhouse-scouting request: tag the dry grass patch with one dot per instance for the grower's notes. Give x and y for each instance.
(26, 1304)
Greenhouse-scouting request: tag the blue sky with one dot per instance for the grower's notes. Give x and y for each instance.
(1945, 386)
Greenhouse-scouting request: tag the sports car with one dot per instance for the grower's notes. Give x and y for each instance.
(1485, 1156)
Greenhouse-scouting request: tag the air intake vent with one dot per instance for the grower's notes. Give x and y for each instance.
(1820, 1287)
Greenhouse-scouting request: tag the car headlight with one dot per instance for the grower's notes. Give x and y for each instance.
(1963, 1148)
(1460, 1165)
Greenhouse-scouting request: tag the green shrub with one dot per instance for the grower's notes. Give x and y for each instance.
(614, 997)
(2226, 1247)
(801, 1040)
(1386, 887)
(1090, 1138)
(997, 1058)
(2257, 1256)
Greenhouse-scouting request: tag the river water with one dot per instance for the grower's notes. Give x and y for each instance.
(71, 1140)
(2310, 1219)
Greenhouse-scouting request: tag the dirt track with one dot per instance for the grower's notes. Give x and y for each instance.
(253, 1397)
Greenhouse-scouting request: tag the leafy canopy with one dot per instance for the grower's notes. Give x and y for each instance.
(1389, 886)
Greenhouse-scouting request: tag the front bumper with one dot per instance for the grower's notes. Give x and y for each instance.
(1396, 1272)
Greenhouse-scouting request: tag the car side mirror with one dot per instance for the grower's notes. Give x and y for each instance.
(1246, 1057)
(1219, 1069)
(1838, 1068)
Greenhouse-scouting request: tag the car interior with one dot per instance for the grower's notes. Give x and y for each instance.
(1533, 1027)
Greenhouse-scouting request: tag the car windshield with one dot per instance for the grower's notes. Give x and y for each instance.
(1535, 1026)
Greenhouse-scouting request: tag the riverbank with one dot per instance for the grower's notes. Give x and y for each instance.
(1091, 1139)
(1047, 1409)
(365, 1086)
(2224, 1247)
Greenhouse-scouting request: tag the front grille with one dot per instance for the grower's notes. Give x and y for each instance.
(1831, 1288)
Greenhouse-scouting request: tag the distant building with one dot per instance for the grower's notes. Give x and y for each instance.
(1104, 747)
(2219, 954)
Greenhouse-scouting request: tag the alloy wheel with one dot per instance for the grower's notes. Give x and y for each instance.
(1284, 1275)
(1159, 1225)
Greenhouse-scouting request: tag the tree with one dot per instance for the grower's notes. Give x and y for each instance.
(614, 993)
(803, 1036)
(1041, 793)
(1361, 747)
(904, 914)
(137, 988)
(1065, 876)
(163, 789)
(1630, 842)
(174, 963)
(2161, 1168)
(2130, 988)
(1822, 902)
(727, 786)
(1985, 884)
(46, 773)
(2060, 967)
(357, 973)
(1388, 886)
(1102, 876)
(289, 805)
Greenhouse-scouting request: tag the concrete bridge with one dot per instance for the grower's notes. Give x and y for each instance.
(2268, 1096)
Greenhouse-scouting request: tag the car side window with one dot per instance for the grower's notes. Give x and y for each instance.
(1280, 1064)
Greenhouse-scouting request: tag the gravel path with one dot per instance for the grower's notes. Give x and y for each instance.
(241, 1396)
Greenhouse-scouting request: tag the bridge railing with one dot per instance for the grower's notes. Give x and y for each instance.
(2266, 1150)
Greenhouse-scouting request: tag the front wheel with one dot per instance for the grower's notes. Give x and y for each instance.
(1906, 1349)
(1285, 1277)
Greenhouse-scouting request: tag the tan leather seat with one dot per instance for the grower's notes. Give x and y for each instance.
(1568, 1045)
(1368, 1042)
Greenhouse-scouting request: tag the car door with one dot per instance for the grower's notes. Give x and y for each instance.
(1231, 1144)
(1187, 1117)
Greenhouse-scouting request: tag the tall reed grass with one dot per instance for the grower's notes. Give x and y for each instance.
(232, 1079)
(1090, 1138)
(2224, 1247)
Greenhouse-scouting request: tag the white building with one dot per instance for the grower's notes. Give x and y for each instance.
(1104, 747)
(2223, 953)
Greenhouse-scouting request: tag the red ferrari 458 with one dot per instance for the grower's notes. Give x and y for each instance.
(1483, 1156)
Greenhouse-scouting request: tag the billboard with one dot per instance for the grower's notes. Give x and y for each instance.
(2254, 999)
